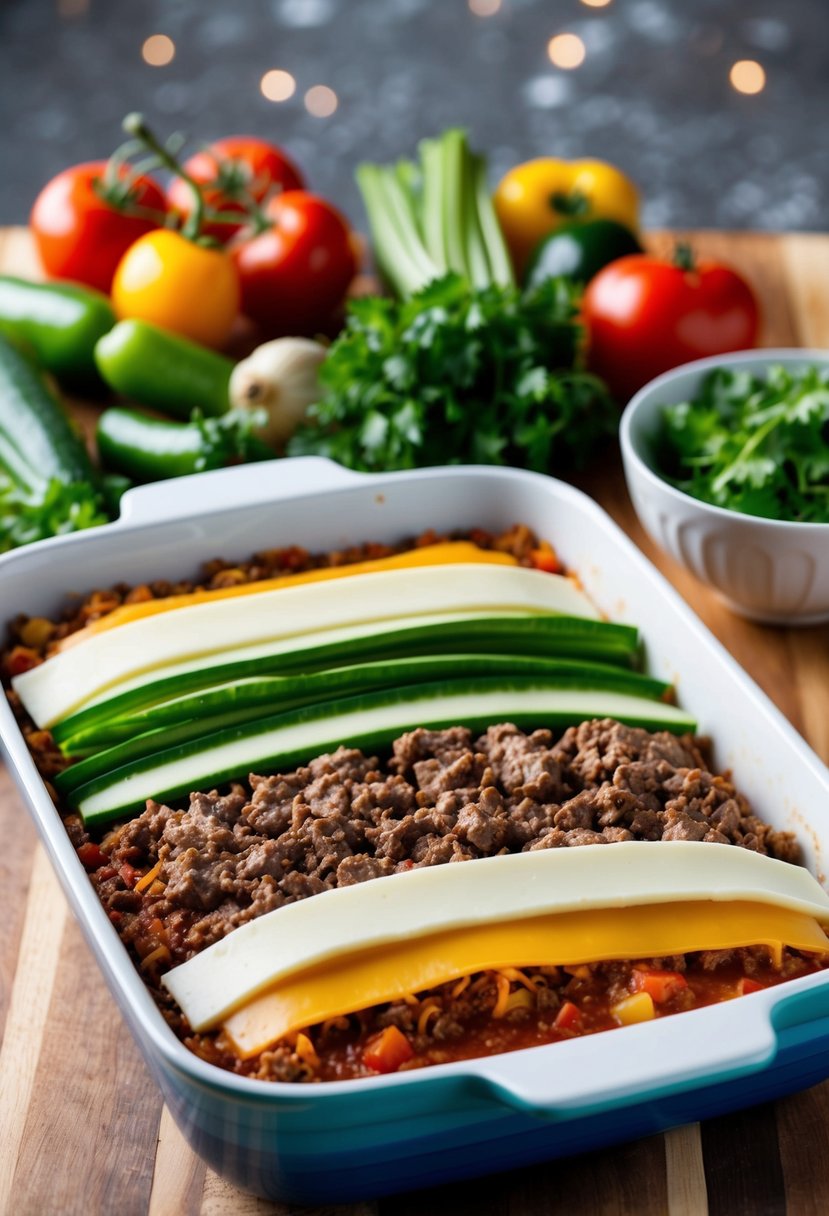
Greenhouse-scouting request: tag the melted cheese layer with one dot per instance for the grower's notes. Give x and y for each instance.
(390, 912)
(450, 552)
(359, 981)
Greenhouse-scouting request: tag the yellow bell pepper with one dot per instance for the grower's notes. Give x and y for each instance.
(178, 284)
(535, 198)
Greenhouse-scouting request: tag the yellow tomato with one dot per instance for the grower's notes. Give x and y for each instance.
(188, 288)
(537, 197)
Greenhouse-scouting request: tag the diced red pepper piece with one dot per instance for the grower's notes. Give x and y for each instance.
(91, 856)
(545, 558)
(660, 986)
(387, 1050)
(746, 985)
(569, 1019)
(20, 659)
(129, 874)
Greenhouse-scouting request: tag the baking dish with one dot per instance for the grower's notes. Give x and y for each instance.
(340, 1141)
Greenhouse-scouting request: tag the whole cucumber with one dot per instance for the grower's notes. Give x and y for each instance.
(162, 370)
(37, 442)
(60, 323)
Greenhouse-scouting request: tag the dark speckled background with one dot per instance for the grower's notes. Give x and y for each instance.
(652, 95)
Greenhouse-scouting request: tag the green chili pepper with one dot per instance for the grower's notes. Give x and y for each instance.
(164, 371)
(150, 449)
(60, 324)
(580, 251)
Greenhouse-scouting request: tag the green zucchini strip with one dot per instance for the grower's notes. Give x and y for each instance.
(371, 721)
(244, 700)
(545, 635)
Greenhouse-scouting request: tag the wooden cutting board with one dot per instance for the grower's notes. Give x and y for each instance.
(82, 1127)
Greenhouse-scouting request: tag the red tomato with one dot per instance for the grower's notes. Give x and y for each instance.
(295, 273)
(645, 315)
(82, 228)
(234, 170)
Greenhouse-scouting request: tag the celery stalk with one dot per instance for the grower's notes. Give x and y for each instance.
(440, 219)
(398, 248)
(431, 160)
(498, 255)
(454, 152)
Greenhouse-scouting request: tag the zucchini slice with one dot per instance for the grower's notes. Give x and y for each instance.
(371, 721)
(120, 742)
(544, 635)
(70, 679)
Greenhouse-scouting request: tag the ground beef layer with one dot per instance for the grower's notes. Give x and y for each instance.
(442, 796)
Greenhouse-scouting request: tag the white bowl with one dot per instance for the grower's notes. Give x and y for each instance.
(765, 569)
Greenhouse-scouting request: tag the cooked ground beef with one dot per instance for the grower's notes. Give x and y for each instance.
(441, 797)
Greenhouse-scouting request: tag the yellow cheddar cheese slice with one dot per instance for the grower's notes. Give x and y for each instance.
(428, 555)
(359, 981)
(303, 937)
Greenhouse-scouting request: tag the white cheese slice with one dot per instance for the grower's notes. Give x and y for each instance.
(70, 679)
(303, 935)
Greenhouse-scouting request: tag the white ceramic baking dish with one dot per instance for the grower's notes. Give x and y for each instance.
(340, 1141)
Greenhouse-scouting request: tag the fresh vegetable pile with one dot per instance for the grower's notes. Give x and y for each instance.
(515, 327)
(759, 446)
(464, 365)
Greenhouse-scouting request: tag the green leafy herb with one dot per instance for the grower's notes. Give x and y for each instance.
(458, 375)
(758, 446)
(56, 508)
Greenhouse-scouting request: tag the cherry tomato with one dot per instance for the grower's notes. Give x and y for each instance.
(82, 224)
(179, 285)
(645, 315)
(234, 170)
(295, 273)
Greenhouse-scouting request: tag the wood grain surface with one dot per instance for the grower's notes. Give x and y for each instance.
(85, 1132)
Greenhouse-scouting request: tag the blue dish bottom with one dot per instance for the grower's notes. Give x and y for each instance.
(299, 1170)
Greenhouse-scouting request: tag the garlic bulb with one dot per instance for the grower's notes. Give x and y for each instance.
(281, 377)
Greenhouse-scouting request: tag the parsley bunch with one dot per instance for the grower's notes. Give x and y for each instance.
(758, 446)
(455, 374)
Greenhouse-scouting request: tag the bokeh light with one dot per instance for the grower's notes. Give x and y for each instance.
(484, 8)
(277, 85)
(158, 50)
(747, 76)
(596, 3)
(321, 101)
(566, 51)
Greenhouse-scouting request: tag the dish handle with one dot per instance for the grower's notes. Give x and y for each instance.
(240, 486)
(603, 1072)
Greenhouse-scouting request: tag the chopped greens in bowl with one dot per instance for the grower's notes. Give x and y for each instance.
(754, 444)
